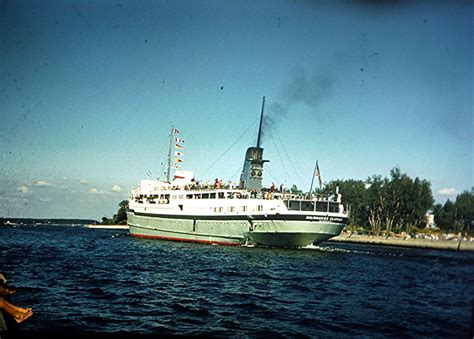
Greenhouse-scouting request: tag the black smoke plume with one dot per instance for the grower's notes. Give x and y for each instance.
(301, 89)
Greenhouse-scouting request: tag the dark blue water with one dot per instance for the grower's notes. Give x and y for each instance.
(103, 281)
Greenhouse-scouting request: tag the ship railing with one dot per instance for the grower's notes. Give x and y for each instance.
(232, 194)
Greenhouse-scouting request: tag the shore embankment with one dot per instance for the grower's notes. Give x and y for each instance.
(441, 244)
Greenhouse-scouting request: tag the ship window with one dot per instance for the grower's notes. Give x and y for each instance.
(334, 207)
(221, 195)
(205, 195)
(189, 196)
(259, 208)
(213, 195)
(173, 197)
(243, 208)
(181, 196)
(294, 205)
(321, 206)
(231, 209)
(307, 206)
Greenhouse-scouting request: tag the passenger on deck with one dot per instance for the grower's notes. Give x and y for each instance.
(230, 185)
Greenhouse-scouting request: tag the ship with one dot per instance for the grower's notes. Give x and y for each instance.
(186, 210)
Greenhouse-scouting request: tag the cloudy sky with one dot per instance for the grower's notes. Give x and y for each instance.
(90, 90)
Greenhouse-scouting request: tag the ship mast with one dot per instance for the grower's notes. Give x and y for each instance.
(260, 127)
(168, 173)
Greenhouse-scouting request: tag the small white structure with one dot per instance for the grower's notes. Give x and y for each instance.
(430, 220)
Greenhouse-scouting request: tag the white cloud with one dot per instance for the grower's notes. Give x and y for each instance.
(98, 192)
(448, 191)
(117, 188)
(42, 183)
(23, 189)
(83, 182)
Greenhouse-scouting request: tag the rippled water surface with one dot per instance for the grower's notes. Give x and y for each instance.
(92, 280)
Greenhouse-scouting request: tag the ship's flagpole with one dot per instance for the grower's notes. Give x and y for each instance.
(168, 173)
(314, 173)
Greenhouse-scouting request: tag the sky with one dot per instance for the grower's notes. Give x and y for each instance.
(89, 91)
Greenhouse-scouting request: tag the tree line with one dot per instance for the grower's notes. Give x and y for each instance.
(44, 221)
(399, 203)
(457, 216)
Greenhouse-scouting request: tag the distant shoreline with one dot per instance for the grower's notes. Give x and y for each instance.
(452, 245)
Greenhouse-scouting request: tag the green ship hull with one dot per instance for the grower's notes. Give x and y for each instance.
(262, 232)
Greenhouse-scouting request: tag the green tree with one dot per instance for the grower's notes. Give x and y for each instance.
(396, 189)
(106, 221)
(456, 216)
(438, 213)
(376, 202)
(447, 217)
(354, 195)
(397, 203)
(294, 190)
(423, 199)
(465, 210)
(120, 218)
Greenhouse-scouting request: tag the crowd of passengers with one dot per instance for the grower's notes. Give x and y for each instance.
(266, 193)
(197, 185)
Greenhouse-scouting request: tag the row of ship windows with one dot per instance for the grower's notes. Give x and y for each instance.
(319, 206)
(219, 195)
(233, 209)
